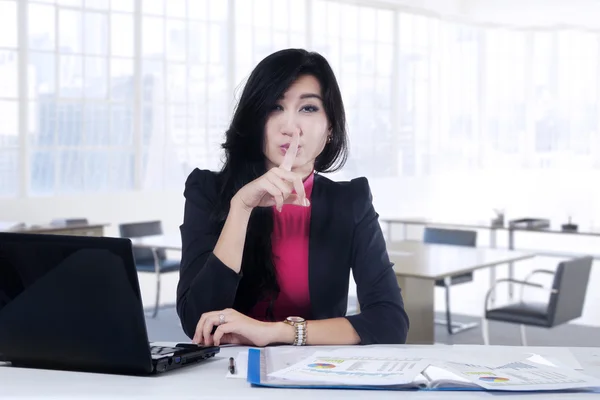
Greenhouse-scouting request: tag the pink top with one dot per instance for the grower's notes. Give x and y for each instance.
(291, 229)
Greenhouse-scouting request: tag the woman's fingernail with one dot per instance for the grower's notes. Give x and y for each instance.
(306, 202)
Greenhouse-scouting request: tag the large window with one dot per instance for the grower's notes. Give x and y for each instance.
(185, 88)
(358, 42)
(119, 95)
(10, 144)
(79, 89)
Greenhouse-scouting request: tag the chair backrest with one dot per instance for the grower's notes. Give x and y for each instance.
(570, 282)
(141, 229)
(454, 237)
(69, 222)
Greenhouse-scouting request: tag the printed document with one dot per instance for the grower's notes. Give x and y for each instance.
(357, 370)
(522, 375)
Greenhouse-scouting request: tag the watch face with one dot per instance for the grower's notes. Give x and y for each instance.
(295, 319)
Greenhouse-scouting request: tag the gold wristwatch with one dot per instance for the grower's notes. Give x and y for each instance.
(300, 326)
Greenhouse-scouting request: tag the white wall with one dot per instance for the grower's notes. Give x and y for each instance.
(477, 195)
(105, 208)
(535, 12)
(450, 197)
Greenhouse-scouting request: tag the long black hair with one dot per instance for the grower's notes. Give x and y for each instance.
(245, 159)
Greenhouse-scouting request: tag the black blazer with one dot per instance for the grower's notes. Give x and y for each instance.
(344, 235)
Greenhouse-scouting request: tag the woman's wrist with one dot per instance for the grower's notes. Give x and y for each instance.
(282, 333)
(237, 206)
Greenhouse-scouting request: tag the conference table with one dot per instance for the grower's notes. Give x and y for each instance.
(589, 231)
(418, 266)
(158, 242)
(208, 380)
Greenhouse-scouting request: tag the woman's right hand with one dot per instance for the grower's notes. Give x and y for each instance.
(275, 187)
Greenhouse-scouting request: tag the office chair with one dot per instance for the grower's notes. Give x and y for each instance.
(149, 260)
(453, 237)
(567, 297)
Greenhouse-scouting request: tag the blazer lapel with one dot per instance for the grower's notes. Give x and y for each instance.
(317, 245)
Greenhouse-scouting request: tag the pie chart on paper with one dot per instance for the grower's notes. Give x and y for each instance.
(321, 366)
(493, 379)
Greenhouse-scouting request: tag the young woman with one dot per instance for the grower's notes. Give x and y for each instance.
(268, 242)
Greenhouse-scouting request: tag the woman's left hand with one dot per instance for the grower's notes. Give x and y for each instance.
(233, 327)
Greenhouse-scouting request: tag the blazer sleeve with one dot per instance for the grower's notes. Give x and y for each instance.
(382, 318)
(205, 283)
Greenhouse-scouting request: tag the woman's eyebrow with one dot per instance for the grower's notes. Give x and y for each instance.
(310, 95)
(305, 96)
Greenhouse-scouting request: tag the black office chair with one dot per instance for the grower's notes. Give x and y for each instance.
(457, 238)
(149, 260)
(567, 297)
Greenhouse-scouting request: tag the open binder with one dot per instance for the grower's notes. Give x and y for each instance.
(433, 377)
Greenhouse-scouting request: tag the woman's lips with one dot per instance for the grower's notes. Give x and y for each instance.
(284, 148)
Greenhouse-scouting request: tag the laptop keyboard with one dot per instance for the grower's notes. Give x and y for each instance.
(160, 350)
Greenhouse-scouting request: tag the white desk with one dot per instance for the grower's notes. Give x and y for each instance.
(158, 242)
(418, 265)
(207, 381)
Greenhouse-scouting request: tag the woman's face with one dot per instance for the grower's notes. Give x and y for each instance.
(300, 111)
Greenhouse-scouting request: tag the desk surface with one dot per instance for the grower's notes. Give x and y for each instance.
(474, 224)
(158, 242)
(466, 224)
(435, 261)
(55, 228)
(207, 381)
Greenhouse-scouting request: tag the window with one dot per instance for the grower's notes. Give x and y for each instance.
(80, 96)
(263, 27)
(10, 148)
(185, 100)
(121, 95)
(359, 44)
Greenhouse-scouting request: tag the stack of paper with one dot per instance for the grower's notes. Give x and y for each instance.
(426, 368)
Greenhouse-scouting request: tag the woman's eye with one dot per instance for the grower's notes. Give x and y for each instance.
(309, 109)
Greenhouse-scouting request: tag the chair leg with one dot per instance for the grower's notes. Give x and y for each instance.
(157, 272)
(157, 298)
(523, 336)
(448, 315)
(453, 327)
(485, 330)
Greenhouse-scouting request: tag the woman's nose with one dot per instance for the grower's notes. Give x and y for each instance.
(290, 126)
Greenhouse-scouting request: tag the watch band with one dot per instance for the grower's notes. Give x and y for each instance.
(300, 325)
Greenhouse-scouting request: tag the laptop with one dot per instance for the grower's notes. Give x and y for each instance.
(74, 303)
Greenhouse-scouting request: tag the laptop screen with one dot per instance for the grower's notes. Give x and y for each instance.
(71, 302)
(25, 258)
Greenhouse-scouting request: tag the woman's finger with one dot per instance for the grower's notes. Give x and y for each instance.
(296, 181)
(290, 154)
(222, 330)
(274, 191)
(295, 200)
(199, 327)
(219, 319)
(284, 186)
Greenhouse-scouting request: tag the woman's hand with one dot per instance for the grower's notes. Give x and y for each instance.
(275, 187)
(234, 327)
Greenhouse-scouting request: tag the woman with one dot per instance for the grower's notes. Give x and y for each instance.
(268, 243)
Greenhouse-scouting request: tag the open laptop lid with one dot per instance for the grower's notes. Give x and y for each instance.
(71, 302)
